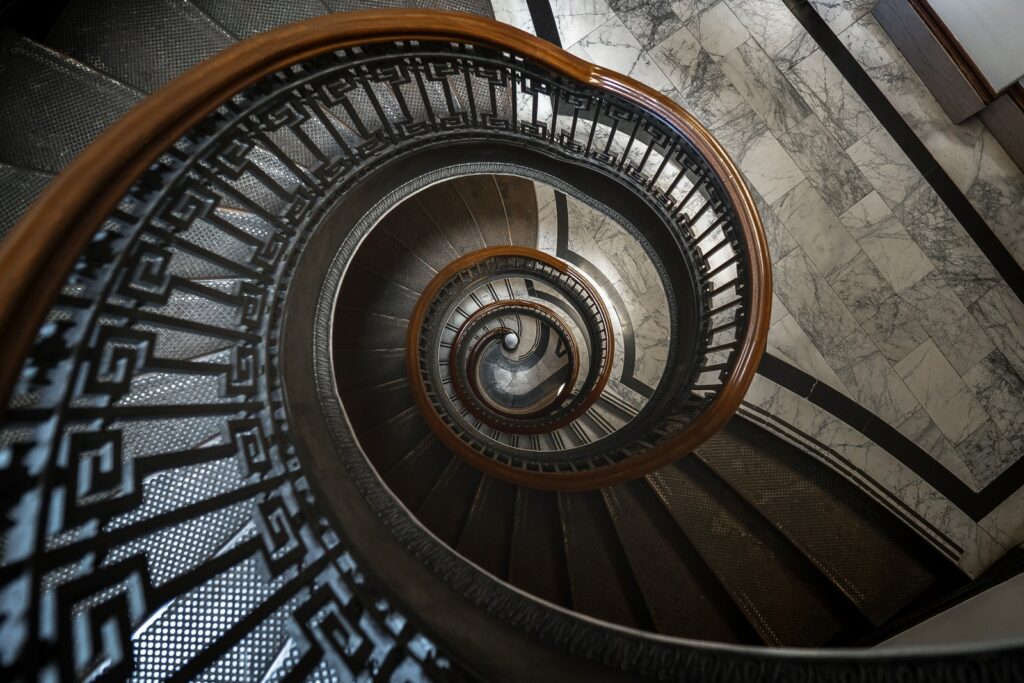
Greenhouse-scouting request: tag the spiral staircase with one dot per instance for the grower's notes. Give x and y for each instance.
(311, 372)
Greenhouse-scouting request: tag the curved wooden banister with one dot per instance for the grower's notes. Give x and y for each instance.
(37, 255)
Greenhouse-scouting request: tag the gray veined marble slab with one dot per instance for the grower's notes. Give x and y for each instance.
(832, 98)
(547, 219)
(758, 154)
(780, 240)
(699, 80)
(825, 164)
(894, 329)
(886, 242)
(876, 386)
(861, 287)
(1001, 314)
(764, 87)
(920, 429)
(515, 13)
(988, 453)
(942, 392)
(790, 343)
(577, 18)
(816, 229)
(819, 312)
(775, 29)
(996, 189)
(778, 311)
(839, 14)
(718, 30)
(948, 322)
(651, 21)
(688, 9)
(613, 46)
(999, 387)
(884, 165)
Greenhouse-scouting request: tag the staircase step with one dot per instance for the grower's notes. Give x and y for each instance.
(483, 199)
(143, 43)
(446, 507)
(537, 560)
(391, 440)
(879, 565)
(487, 536)
(52, 107)
(776, 589)
(366, 367)
(393, 261)
(520, 201)
(370, 406)
(19, 187)
(683, 596)
(365, 288)
(449, 211)
(245, 18)
(421, 232)
(413, 476)
(375, 330)
(600, 577)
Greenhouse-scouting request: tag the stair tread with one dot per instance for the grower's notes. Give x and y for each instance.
(484, 201)
(600, 578)
(119, 39)
(421, 232)
(52, 107)
(370, 406)
(486, 538)
(446, 507)
(683, 597)
(520, 202)
(245, 19)
(537, 561)
(447, 209)
(859, 546)
(780, 598)
(388, 442)
(412, 477)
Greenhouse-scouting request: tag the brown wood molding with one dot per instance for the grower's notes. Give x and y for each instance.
(38, 253)
(955, 50)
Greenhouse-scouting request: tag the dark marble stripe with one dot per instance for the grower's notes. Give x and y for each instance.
(544, 21)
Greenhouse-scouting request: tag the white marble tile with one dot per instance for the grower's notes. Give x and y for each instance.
(875, 385)
(996, 189)
(651, 21)
(699, 80)
(948, 322)
(894, 329)
(758, 154)
(819, 312)
(688, 9)
(718, 30)
(825, 164)
(778, 310)
(920, 429)
(515, 13)
(816, 229)
(886, 242)
(839, 14)
(999, 387)
(942, 392)
(832, 98)
(547, 220)
(787, 341)
(577, 18)
(1006, 522)
(611, 45)
(884, 165)
(775, 29)
(764, 87)
(1001, 314)
(988, 453)
(861, 287)
(780, 240)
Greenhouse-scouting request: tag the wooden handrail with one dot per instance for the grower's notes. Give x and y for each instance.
(40, 251)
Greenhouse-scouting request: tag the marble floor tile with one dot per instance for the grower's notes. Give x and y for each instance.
(775, 29)
(1001, 315)
(832, 98)
(861, 287)
(611, 45)
(778, 310)
(988, 453)
(699, 80)
(875, 385)
(780, 240)
(999, 387)
(718, 30)
(920, 429)
(819, 312)
(787, 341)
(942, 392)
(758, 154)
(577, 18)
(894, 329)
(515, 13)
(884, 165)
(688, 9)
(948, 322)
(825, 164)
(764, 87)
(651, 21)
(815, 228)
(886, 242)
(839, 14)
(996, 190)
